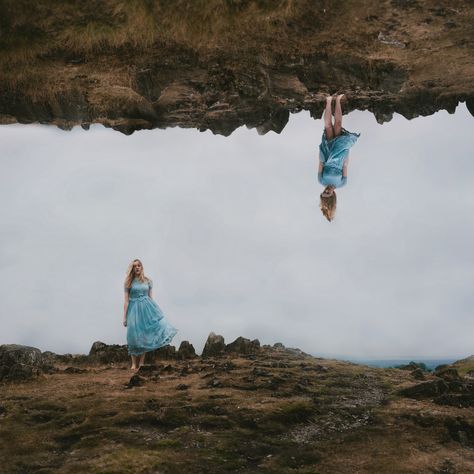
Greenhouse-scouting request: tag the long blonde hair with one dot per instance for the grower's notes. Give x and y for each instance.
(328, 206)
(130, 275)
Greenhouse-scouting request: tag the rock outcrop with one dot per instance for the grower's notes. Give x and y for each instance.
(186, 351)
(248, 408)
(243, 346)
(448, 388)
(253, 64)
(163, 353)
(106, 354)
(19, 362)
(214, 346)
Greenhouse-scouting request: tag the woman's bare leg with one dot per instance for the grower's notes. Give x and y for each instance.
(338, 116)
(134, 362)
(142, 360)
(328, 118)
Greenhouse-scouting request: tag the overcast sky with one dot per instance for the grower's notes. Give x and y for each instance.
(230, 231)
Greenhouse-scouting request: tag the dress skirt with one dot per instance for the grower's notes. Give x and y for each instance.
(147, 327)
(333, 152)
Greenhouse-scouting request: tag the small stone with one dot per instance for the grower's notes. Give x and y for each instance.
(135, 381)
(147, 369)
(74, 370)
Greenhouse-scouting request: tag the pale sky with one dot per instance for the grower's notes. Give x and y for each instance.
(230, 231)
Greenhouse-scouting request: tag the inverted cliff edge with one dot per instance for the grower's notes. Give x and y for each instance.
(220, 65)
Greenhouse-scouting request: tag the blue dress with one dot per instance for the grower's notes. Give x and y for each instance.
(332, 154)
(147, 327)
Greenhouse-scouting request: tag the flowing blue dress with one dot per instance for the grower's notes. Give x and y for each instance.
(147, 327)
(333, 153)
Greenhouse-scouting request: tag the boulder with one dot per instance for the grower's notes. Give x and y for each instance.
(163, 353)
(418, 374)
(106, 354)
(135, 381)
(413, 366)
(426, 389)
(296, 352)
(49, 357)
(19, 362)
(72, 358)
(148, 369)
(278, 346)
(469, 375)
(74, 370)
(186, 351)
(447, 373)
(243, 346)
(97, 348)
(464, 400)
(214, 346)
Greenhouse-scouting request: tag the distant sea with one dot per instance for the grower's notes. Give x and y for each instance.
(384, 363)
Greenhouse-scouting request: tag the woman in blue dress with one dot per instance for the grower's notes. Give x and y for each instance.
(147, 328)
(333, 156)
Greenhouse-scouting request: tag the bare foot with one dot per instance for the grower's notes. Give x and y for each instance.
(340, 97)
(329, 98)
(133, 367)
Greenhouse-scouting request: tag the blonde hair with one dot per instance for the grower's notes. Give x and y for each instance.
(130, 275)
(328, 206)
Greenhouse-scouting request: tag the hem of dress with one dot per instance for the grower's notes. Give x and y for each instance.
(164, 343)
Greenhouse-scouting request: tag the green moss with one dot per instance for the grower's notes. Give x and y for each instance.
(166, 443)
(173, 417)
(69, 419)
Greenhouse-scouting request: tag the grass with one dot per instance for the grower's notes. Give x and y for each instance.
(95, 26)
(291, 413)
(98, 427)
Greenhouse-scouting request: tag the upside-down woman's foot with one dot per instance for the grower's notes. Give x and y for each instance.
(133, 367)
(339, 97)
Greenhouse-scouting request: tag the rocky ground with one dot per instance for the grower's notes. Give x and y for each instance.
(215, 64)
(238, 407)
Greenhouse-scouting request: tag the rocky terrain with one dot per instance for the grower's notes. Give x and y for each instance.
(221, 64)
(238, 407)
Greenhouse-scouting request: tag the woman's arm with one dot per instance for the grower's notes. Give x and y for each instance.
(125, 307)
(150, 288)
(344, 167)
(320, 171)
(344, 172)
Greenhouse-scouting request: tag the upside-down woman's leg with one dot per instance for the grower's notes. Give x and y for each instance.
(338, 116)
(328, 118)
